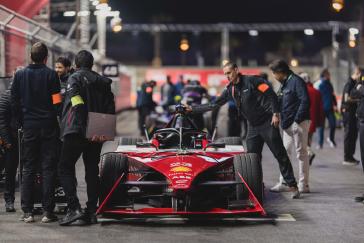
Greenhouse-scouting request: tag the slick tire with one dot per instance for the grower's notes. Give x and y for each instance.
(113, 165)
(130, 140)
(231, 140)
(250, 168)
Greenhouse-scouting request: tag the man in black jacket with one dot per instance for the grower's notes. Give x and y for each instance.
(295, 115)
(86, 92)
(8, 133)
(348, 110)
(358, 93)
(35, 95)
(257, 102)
(145, 103)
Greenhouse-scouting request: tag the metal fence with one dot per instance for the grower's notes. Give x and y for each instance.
(18, 33)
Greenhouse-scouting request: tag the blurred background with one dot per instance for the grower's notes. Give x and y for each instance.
(135, 41)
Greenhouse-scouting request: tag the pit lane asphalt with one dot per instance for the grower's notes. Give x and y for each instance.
(327, 214)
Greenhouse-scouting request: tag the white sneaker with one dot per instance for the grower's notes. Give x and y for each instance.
(279, 187)
(331, 143)
(304, 189)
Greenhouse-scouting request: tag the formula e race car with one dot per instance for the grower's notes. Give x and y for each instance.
(180, 172)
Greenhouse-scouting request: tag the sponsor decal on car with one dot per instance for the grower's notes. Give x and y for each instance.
(181, 169)
(181, 164)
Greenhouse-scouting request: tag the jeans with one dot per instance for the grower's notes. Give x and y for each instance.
(73, 146)
(296, 137)
(332, 124)
(39, 150)
(256, 137)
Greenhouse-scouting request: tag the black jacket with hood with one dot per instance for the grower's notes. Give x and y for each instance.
(92, 93)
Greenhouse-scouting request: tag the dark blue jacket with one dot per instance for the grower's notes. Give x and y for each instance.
(31, 96)
(295, 102)
(327, 94)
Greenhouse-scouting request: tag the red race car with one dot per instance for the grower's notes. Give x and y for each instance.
(180, 172)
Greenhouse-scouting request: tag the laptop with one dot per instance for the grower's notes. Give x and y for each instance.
(101, 124)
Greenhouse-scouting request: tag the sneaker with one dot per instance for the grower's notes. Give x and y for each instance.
(71, 216)
(350, 162)
(295, 193)
(319, 146)
(331, 143)
(280, 187)
(9, 208)
(304, 189)
(311, 157)
(49, 217)
(27, 218)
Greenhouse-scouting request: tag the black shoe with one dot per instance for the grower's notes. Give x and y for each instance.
(90, 217)
(359, 199)
(9, 208)
(351, 161)
(71, 216)
(312, 156)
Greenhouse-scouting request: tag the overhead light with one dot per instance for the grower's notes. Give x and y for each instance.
(352, 43)
(253, 33)
(116, 24)
(294, 62)
(353, 31)
(309, 32)
(83, 13)
(95, 2)
(337, 5)
(184, 45)
(69, 13)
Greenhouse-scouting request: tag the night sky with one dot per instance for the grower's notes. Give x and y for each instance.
(241, 11)
(137, 48)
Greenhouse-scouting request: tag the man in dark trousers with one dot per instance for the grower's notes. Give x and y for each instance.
(257, 102)
(358, 93)
(8, 133)
(87, 91)
(35, 95)
(348, 110)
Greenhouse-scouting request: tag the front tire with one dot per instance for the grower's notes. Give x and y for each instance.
(113, 165)
(250, 168)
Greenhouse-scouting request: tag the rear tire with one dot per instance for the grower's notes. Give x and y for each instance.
(231, 140)
(113, 165)
(250, 168)
(130, 140)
